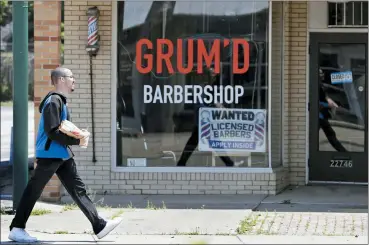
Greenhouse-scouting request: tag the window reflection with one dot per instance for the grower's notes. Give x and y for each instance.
(343, 113)
(159, 132)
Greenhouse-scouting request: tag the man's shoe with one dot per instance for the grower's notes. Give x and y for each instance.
(20, 235)
(110, 225)
(239, 163)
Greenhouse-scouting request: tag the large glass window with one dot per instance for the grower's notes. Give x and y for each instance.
(165, 133)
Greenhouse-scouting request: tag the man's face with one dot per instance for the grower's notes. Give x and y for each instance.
(321, 74)
(69, 80)
(212, 73)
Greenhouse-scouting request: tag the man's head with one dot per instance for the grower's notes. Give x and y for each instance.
(214, 77)
(63, 79)
(321, 74)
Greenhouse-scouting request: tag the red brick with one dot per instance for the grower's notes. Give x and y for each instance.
(47, 20)
(50, 66)
(41, 38)
(53, 39)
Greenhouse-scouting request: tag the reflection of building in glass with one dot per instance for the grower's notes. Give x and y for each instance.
(348, 119)
(172, 20)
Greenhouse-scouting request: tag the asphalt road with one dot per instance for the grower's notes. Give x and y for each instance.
(6, 171)
(6, 125)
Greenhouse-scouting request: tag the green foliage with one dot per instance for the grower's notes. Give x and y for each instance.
(5, 12)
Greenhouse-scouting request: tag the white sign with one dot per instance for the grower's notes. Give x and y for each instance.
(136, 162)
(341, 77)
(178, 94)
(237, 130)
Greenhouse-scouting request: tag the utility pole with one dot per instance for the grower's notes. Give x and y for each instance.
(20, 99)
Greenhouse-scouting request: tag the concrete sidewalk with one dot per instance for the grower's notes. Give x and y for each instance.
(192, 239)
(226, 219)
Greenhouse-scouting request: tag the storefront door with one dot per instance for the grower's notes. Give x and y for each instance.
(338, 147)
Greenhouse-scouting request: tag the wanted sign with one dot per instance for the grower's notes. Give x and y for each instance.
(237, 130)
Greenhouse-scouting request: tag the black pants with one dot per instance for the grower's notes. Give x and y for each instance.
(67, 173)
(191, 146)
(331, 135)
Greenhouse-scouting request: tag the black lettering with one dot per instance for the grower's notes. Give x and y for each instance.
(231, 115)
(226, 134)
(224, 115)
(216, 115)
(238, 114)
(251, 116)
(243, 134)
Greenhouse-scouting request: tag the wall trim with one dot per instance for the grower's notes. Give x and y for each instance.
(339, 30)
(191, 170)
(307, 115)
(113, 124)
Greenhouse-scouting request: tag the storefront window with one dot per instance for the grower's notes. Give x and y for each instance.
(157, 127)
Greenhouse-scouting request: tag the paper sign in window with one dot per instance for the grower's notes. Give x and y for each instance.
(341, 77)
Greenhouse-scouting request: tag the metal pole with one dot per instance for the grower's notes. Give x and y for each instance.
(20, 99)
(92, 112)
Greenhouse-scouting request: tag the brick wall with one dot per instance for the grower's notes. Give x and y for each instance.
(76, 58)
(47, 21)
(295, 89)
(98, 176)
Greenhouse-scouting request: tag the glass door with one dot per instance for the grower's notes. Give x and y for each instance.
(338, 107)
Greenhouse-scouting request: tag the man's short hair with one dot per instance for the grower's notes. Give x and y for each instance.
(56, 73)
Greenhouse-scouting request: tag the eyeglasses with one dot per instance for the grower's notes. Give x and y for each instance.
(72, 77)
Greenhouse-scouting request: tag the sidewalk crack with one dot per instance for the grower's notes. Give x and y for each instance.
(258, 204)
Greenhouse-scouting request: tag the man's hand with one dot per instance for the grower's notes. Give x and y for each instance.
(84, 141)
(331, 103)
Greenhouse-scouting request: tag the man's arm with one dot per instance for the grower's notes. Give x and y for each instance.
(51, 114)
(323, 94)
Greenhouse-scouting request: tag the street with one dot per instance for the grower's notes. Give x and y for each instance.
(6, 171)
(7, 123)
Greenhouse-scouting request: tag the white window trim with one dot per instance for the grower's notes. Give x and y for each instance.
(113, 150)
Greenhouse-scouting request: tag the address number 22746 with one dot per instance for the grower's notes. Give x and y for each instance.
(341, 164)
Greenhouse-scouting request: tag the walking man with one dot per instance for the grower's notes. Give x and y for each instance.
(194, 138)
(54, 155)
(325, 104)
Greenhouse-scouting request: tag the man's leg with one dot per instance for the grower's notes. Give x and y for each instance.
(331, 135)
(43, 173)
(45, 169)
(227, 160)
(69, 177)
(190, 147)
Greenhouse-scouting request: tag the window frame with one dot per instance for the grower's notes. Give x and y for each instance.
(174, 169)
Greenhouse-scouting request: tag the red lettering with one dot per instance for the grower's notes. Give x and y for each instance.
(161, 56)
(180, 58)
(246, 53)
(214, 55)
(148, 57)
(201, 52)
